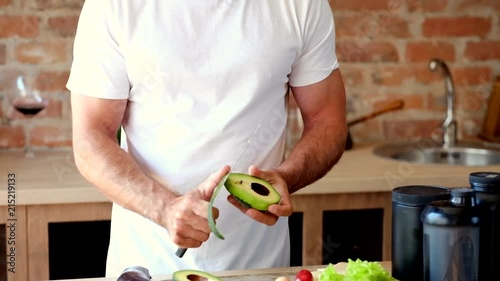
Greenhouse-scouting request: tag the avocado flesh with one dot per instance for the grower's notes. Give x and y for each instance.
(193, 275)
(252, 191)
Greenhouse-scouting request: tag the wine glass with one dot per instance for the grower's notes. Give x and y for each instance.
(28, 102)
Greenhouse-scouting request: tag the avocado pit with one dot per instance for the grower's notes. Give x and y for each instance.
(195, 277)
(260, 189)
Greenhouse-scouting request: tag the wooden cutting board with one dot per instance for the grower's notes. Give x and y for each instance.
(270, 274)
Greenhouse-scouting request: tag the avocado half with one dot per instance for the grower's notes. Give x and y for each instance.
(193, 275)
(252, 191)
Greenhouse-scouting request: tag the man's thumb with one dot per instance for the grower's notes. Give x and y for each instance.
(209, 186)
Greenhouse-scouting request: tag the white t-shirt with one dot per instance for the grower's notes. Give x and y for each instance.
(202, 78)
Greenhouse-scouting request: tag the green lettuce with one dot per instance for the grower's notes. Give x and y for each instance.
(357, 271)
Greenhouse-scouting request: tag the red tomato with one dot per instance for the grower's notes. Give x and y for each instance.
(304, 275)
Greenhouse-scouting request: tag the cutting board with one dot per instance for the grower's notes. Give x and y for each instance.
(270, 274)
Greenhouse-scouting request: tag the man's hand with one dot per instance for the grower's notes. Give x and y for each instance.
(187, 216)
(282, 209)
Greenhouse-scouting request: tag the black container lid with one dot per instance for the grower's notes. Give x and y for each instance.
(460, 210)
(419, 195)
(485, 182)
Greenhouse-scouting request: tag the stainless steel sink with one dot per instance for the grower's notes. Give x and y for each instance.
(429, 152)
(450, 151)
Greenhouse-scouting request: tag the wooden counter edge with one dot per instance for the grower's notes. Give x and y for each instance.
(285, 271)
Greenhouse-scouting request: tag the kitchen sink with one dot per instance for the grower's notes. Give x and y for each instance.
(429, 152)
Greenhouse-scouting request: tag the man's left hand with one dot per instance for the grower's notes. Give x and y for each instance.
(282, 209)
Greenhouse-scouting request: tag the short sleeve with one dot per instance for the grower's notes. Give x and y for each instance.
(317, 58)
(98, 67)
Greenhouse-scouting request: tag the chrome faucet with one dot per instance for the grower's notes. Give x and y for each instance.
(450, 123)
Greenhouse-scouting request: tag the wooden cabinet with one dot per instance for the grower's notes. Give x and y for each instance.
(344, 236)
(51, 190)
(313, 207)
(40, 216)
(34, 223)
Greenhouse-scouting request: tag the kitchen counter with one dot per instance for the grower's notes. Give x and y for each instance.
(49, 188)
(268, 274)
(52, 177)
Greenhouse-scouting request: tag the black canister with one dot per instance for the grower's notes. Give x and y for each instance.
(487, 188)
(408, 202)
(451, 238)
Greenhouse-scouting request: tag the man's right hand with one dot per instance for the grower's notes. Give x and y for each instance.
(187, 215)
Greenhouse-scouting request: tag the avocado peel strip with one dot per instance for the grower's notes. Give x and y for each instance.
(211, 221)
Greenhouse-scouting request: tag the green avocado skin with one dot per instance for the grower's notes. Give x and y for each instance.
(238, 185)
(187, 275)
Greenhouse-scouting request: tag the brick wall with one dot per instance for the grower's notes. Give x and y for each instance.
(383, 46)
(36, 38)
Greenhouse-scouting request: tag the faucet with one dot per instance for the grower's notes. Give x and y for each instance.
(450, 124)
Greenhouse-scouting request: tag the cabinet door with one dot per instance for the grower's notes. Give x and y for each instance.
(40, 219)
(352, 234)
(335, 227)
(72, 243)
(295, 225)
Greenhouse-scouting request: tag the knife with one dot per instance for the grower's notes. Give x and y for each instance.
(181, 251)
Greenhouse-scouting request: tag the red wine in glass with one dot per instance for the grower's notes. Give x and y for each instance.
(29, 109)
(28, 102)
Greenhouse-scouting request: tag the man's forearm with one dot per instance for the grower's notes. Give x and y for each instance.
(126, 184)
(317, 151)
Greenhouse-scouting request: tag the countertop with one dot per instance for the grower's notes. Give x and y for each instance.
(269, 274)
(52, 177)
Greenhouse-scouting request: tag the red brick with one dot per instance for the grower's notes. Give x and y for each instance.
(466, 4)
(471, 103)
(22, 26)
(356, 5)
(437, 99)
(370, 130)
(3, 54)
(66, 108)
(427, 5)
(399, 129)
(58, 4)
(11, 136)
(53, 110)
(52, 81)
(64, 26)
(5, 3)
(371, 26)
(424, 76)
(8, 78)
(471, 75)
(391, 75)
(467, 101)
(52, 135)
(425, 51)
(37, 52)
(352, 76)
(349, 25)
(457, 26)
(482, 51)
(357, 51)
(398, 75)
